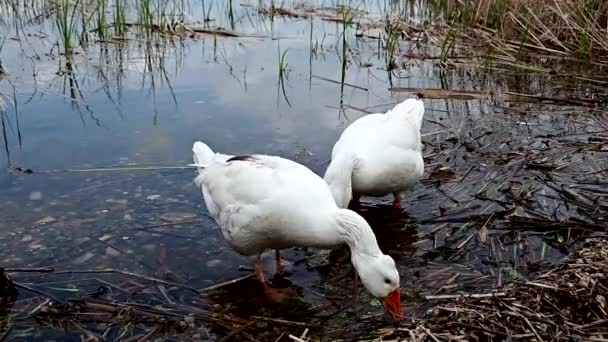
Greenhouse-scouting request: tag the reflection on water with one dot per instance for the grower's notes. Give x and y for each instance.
(286, 86)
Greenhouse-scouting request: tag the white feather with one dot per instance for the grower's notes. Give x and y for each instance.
(378, 154)
(265, 202)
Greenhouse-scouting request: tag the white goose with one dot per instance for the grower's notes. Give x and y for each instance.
(377, 155)
(264, 202)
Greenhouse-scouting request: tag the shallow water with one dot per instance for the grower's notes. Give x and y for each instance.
(145, 104)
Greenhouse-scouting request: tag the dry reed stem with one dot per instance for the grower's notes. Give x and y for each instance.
(559, 27)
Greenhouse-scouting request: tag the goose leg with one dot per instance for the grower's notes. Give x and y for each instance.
(274, 294)
(258, 269)
(397, 200)
(278, 266)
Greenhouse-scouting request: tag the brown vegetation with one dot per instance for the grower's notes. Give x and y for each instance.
(558, 27)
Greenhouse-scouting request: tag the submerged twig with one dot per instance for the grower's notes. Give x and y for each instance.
(229, 282)
(338, 82)
(129, 274)
(28, 270)
(38, 292)
(472, 295)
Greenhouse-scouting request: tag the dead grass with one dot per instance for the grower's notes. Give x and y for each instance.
(557, 27)
(566, 304)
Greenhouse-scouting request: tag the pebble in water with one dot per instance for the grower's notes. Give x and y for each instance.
(213, 263)
(36, 196)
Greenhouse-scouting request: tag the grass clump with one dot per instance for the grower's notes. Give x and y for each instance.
(64, 20)
(145, 17)
(120, 17)
(567, 27)
(102, 20)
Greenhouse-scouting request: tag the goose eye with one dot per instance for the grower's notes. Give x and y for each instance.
(387, 281)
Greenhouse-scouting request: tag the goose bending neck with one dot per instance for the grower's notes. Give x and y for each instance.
(357, 234)
(339, 178)
(410, 111)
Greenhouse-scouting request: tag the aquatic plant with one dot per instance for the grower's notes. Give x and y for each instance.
(84, 25)
(449, 40)
(283, 71)
(102, 21)
(145, 18)
(391, 44)
(282, 64)
(230, 14)
(64, 21)
(120, 17)
(347, 16)
(313, 47)
(206, 11)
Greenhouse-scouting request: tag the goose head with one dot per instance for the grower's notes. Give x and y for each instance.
(380, 277)
(376, 270)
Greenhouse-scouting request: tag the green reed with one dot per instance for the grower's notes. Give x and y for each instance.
(64, 21)
(120, 17)
(102, 20)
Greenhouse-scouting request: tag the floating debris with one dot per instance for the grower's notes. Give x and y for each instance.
(117, 205)
(45, 220)
(36, 196)
(175, 217)
(84, 258)
(113, 252)
(23, 171)
(430, 93)
(214, 263)
(105, 237)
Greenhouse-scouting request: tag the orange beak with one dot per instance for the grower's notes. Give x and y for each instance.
(392, 304)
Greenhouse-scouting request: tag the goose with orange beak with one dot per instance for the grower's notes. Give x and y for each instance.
(265, 202)
(378, 154)
(379, 276)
